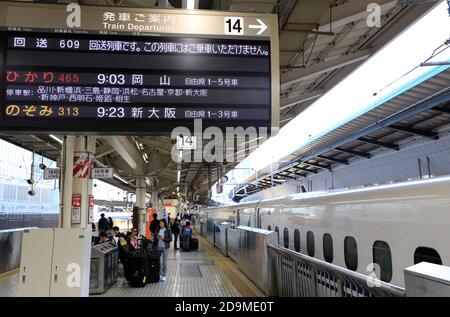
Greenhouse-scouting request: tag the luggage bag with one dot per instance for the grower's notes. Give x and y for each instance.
(138, 270)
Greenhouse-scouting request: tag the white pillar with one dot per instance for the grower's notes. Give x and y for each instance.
(83, 186)
(140, 202)
(66, 181)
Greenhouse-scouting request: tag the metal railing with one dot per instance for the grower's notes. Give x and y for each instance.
(299, 275)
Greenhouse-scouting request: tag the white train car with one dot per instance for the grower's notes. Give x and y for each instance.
(394, 226)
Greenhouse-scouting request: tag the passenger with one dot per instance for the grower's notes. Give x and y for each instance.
(187, 235)
(103, 224)
(154, 225)
(134, 239)
(110, 234)
(116, 231)
(164, 239)
(110, 223)
(176, 232)
(102, 238)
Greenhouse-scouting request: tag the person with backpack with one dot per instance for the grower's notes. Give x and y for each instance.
(187, 235)
(164, 238)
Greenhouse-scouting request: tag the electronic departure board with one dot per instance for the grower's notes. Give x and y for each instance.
(127, 83)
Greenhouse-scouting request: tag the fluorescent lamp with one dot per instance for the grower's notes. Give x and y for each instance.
(55, 138)
(178, 176)
(120, 179)
(190, 5)
(178, 189)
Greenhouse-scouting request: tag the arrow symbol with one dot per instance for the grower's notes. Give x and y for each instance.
(262, 26)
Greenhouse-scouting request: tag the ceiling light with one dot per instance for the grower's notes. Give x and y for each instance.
(55, 138)
(120, 179)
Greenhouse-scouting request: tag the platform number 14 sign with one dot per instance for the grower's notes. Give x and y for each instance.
(234, 25)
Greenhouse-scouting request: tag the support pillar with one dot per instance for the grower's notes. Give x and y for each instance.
(140, 202)
(82, 184)
(66, 180)
(154, 194)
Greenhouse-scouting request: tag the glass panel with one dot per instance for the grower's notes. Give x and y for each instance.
(310, 243)
(382, 256)
(425, 254)
(328, 247)
(297, 240)
(351, 253)
(286, 237)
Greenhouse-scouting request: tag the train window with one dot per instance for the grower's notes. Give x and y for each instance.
(310, 243)
(278, 234)
(382, 256)
(351, 253)
(297, 240)
(328, 247)
(425, 254)
(269, 227)
(286, 238)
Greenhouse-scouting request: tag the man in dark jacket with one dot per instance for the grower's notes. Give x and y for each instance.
(154, 226)
(176, 232)
(103, 224)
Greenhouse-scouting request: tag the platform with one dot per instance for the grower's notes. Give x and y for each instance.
(202, 273)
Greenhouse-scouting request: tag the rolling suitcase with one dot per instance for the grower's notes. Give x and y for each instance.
(138, 270)
(193, 244)
(153, 258)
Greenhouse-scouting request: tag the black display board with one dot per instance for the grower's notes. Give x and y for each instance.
(138, 85)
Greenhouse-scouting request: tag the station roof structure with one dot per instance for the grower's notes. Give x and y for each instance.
(416, 110)
(321, 42)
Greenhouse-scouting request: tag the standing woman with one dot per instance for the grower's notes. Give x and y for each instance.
(164, 239)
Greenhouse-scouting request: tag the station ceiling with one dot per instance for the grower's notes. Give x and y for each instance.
(321, 42)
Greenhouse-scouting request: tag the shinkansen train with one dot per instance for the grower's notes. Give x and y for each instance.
(394, 226)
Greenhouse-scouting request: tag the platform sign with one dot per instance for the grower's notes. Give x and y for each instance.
(91, 208)
(123, 70)
(76, 209)
(51, 173)
(186, 142)
(102, 173)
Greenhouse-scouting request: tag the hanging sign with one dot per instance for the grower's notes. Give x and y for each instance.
(76, 209)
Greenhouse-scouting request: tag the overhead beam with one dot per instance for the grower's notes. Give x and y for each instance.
(305, 169)
(419, 132)
(289, 102)
(353, 152)
(300, 174)
(333, 159)
(325, 167)
(441, 110)
(306, 73)
(392, 146)
(127, 151)
(307, 31)
(286, 176)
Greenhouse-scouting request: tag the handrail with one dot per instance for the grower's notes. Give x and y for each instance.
(17, 229)
(379, 288)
